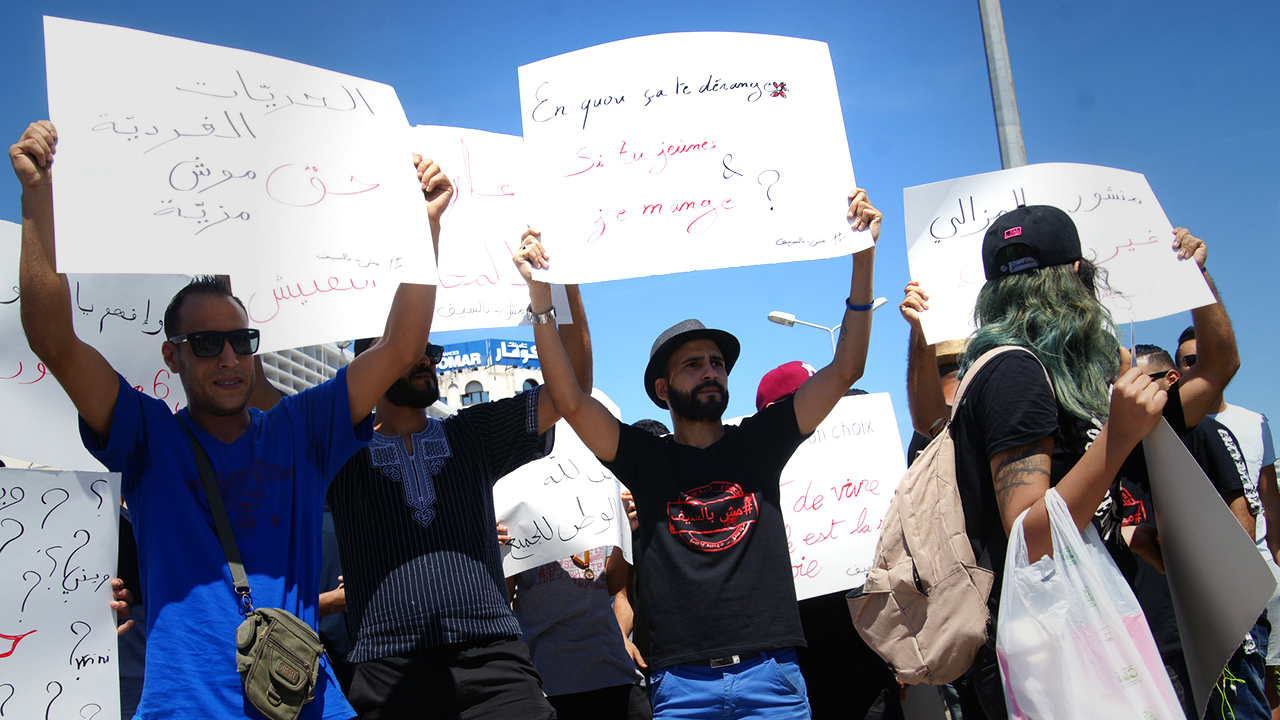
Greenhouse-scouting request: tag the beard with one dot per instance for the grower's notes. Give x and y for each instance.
(691, 407)
(402, 393)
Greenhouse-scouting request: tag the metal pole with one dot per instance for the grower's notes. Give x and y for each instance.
(832, 331)
(1008, 125)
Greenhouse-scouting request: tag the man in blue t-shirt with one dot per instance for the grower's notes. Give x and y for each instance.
(272, 468)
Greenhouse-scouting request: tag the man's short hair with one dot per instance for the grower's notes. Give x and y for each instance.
(199, 285)
(1157, 357)
(1188, 334)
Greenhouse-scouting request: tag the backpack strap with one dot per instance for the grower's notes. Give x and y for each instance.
(985, 560)
(983, 360)
(219, 512)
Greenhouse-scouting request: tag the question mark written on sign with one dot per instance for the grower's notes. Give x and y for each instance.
(777, 176)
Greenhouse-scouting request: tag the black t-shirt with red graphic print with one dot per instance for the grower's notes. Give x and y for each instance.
(714, 571)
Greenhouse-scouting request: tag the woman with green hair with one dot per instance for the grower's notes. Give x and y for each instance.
(1016, 435)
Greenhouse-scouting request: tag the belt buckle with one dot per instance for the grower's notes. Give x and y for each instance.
(725, 661)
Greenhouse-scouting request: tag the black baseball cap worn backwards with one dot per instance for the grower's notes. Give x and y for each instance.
(1037, 236)
(672, 338)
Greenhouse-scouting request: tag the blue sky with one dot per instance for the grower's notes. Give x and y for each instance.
(1187, 94)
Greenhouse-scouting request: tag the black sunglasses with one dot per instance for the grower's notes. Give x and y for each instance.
(209, 343)
(435, 352)
(1189, 360)
(1157, 377)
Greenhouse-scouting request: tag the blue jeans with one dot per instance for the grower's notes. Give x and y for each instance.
(768, 686)
(1239, 693)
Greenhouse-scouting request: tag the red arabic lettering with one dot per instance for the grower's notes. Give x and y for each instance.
(156, 385)
(287, 292)
(289, 193)
(40, 367)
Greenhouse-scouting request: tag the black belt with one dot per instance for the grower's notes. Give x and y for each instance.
(719, 662)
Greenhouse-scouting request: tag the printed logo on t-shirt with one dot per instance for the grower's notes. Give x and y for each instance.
(1249, 484)
(713, 517)
(1135, 513)
(244, 490)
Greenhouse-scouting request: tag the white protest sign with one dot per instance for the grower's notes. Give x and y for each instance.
(58, 545)
(562, 504)
(835, 492)
(1121, 224)
(688, 151)
(122, 316)
(1218, 581)
(177, 156)
(478, 286)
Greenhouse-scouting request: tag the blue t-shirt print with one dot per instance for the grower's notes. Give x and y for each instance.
(244, 491)
(273, 481)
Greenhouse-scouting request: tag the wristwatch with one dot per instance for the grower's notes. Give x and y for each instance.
(542, 318)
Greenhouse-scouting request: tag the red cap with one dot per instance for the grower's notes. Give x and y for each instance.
(782, 381)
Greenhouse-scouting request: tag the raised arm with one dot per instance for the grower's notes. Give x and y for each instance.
(576, 338)
(925, 399)
(409, 323)
(821, 392)
(1217, 357)
(83, 372)
(592, 421)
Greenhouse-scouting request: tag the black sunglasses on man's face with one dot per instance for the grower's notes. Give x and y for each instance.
(1189, 360)
(435, 352)
(209, 343)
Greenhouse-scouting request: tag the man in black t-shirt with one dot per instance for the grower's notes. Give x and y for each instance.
(715, 579)
(1216, 450)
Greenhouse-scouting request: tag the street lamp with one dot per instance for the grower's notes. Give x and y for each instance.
(786, 318)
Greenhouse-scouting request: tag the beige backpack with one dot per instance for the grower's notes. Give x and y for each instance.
(923, 608)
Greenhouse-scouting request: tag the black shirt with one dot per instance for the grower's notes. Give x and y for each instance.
(1008, 404)
(714, 570)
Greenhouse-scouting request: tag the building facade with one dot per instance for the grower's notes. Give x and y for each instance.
(484, 370)
(470, 372)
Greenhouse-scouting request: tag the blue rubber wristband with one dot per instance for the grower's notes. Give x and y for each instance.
(858, 308)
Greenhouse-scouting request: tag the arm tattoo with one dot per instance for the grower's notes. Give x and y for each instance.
(1019, 468)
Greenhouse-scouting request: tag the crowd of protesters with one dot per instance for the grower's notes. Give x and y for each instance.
(420, 621)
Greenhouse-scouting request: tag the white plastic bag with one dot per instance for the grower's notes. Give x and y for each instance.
(1071, 639)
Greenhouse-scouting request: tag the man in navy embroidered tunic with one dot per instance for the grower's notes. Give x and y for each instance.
(426, 598)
